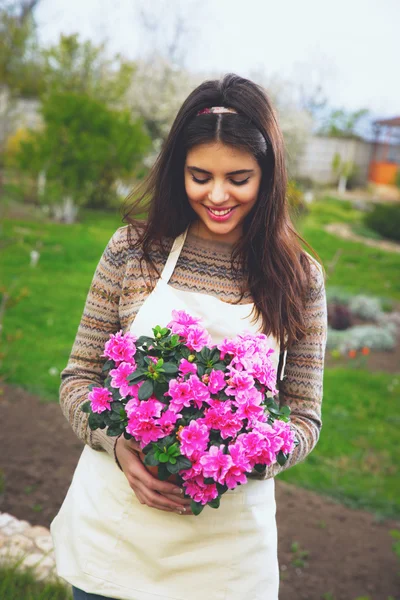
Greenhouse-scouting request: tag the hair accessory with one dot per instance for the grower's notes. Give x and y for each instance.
(216, 110)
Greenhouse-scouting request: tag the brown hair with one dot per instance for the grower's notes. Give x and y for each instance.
(268, 258)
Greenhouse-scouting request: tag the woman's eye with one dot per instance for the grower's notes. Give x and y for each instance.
(240, 182)
(200, 180)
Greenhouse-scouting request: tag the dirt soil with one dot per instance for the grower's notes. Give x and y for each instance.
(350, 552)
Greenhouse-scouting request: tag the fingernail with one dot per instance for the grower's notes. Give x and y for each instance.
(178, 510)
(178, 490)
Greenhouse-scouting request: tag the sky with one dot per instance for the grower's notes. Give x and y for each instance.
(349, 47)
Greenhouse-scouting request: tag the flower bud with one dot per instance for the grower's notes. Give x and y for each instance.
(191, 357)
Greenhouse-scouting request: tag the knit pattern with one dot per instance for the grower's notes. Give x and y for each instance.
(119, 288)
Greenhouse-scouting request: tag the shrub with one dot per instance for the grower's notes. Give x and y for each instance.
(296, 200)
(360, 336)
(365, 307)
(339, 316)
(385, 219)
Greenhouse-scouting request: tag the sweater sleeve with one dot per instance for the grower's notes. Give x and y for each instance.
(99, 319)
(301, 388)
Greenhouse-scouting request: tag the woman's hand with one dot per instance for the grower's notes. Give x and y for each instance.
(148, 489)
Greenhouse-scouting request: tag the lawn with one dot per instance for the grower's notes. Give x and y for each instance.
(354, 460)
(15, 585)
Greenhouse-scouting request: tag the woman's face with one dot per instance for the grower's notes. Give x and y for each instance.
(222, 186)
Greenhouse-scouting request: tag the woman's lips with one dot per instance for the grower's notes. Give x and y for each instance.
(220, 214)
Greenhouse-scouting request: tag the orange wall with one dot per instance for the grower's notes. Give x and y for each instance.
(380, 172)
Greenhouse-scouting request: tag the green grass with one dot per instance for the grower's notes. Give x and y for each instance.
(46, 318)
(355, 457)
(23, 586)
(360, 269)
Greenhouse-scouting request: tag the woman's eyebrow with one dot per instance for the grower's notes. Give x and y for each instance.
(239, 172)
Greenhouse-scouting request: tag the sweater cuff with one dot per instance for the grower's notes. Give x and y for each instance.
(101, 439)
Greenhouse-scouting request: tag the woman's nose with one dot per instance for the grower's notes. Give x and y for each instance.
(218, 195)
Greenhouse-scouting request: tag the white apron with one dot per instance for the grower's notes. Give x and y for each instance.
(107, 543)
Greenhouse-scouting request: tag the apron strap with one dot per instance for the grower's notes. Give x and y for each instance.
(173, 256)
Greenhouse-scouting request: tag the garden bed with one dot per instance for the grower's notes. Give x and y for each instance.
(326, 550)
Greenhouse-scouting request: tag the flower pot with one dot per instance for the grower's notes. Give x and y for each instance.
(154, 470)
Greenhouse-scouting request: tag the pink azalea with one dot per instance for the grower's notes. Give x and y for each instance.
(181, 394)
(144, 431)
(216, 415)
(197, 337)
(239, 381)
(286, 435)
(120, 347)
(240, 465)
(200, 491)
(167, 421)
(100, 399)
(199, 391)
(216, 381)
(187, 367)
(252, 444)
(194, 439)
(181, 321)
(119, 377)
(131, 406)
(227, 347)
(216, 464)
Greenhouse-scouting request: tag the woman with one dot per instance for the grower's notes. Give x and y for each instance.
(219, 243)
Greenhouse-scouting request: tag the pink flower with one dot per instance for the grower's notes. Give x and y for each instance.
(187, 367)
(249, 406)
(200, 491)
(167, 421)
(216, 381)
(142, 423)
(240, 465)
(194, 439)
(286, 435)
(197, 338)
(120, 347)
(131, 406)
(119, 377)
(100, 399)
(239, 381)
(181, 394)
(180, 322)
(199, 391)
(216, 464)
(227, 347)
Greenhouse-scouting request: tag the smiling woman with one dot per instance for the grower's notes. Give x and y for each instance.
(224, 190)
(218, 243)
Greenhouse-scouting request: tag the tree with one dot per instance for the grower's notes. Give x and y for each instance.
(19, 54)
(83, 148)
(79, 67)
(343, 123)
(343, 170)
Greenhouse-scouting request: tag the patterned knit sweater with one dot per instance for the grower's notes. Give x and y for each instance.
(116, 293)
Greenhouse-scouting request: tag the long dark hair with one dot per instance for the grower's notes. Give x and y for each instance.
(268, 258)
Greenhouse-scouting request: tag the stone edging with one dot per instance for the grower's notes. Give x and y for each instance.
(31, 546)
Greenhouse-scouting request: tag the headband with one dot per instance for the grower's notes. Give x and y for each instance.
(216, 110)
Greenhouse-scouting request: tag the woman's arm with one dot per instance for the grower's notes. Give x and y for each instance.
(100, 318)
(301, 389)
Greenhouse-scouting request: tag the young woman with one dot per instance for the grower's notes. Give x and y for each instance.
(218, 242)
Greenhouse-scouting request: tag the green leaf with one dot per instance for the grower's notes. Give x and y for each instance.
(209, 480)
(281, 458)
(163, 472)
(95, 420)
(146, 390)
(196, 507)
(151, 460)
(107, 365)
(170, 368)
(163, 457)
(144, 339)
(115, 429)
(172, 460)
(200, 370)
(215, 503)
(173, 468)
(260, 468)
(219, 366)
(160, 388)
(137, 375)
(86, 407)
(183, 462)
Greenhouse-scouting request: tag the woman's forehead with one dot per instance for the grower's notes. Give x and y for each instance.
(217, 155)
